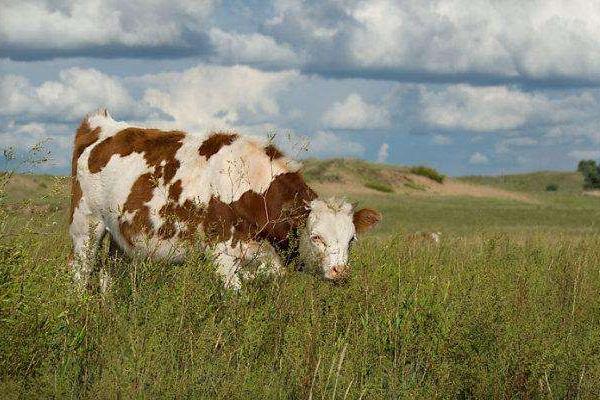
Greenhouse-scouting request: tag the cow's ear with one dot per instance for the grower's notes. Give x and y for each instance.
(365, 219)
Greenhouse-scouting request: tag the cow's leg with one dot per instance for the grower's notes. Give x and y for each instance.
(259, 258)
(86, 232)
(115, 253)
(227, 259)
(268, 260)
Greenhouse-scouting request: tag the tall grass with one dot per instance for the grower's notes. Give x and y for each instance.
(506, 306)
(498, 316)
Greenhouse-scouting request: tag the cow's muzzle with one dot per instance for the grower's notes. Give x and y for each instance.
(338, 273)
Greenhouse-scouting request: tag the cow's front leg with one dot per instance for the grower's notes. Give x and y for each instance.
(259, 258)
(228, 260)
(268, 259)
(246, 259)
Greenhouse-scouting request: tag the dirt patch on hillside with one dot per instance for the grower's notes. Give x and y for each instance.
(595, 193)
(410, 184)
(451, 187)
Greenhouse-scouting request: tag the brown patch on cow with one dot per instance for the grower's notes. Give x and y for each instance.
(76, 195)
(157, 146)
(365, 219)
(273, 152)
(175, 190)
(84, 138)
(215, 142)
(189, 215)
(271, 216)
(141, 193)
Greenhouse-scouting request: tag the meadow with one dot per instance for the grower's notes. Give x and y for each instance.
(505, 307)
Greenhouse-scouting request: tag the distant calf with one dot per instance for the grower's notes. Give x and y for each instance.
(160, 192)
(433, 237)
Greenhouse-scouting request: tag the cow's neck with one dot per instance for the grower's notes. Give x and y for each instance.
(289, 248)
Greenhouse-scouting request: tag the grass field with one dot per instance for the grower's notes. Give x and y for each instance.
(507, 306)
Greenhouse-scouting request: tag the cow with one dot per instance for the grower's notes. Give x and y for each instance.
(160, 194)
(424, 236)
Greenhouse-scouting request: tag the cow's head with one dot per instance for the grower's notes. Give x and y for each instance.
(331, 228)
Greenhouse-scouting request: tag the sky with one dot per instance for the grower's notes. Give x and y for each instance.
(466, 86)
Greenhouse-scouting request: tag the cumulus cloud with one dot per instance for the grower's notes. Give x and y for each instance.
(585, 154)
(383, 153)
(495, 108)
(51, 139)
(329, 144)
(355, 113)
(46, 28)
(254, 48)
(448, 40)
(76, 92)
(477, 158)
(508, 40)
(212, 97)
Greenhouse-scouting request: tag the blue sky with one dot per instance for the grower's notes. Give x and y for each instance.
(467, 86)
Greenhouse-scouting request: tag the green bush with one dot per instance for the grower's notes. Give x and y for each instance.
(551, 187)
(414, 185)
(428, 172)
(591, 174)
(379, 186)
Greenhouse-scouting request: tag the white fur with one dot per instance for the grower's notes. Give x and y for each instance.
(332, 222)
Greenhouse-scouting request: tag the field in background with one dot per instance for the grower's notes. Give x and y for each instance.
(506, 307)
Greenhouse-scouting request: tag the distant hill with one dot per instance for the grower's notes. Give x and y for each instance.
(347, 175)
(566, 182)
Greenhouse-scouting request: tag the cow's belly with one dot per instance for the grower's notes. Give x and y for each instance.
(106, 193)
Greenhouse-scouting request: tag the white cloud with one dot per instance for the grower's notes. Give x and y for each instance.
(585, 154)
(51, 138)
(478, 158)
(212, 97)
(331, 145)
(538, 39)
(254, 48)
(76, 92)
(78, 24)
(477, 108)
(355, 113)
(383, 153)
(441, 140)
(494, 108)
(577, 130)
(504, 146)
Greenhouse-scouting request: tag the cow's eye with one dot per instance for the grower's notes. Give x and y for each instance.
(317, 239)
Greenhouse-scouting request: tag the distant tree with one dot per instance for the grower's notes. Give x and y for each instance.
(591, 174)
(551, 187)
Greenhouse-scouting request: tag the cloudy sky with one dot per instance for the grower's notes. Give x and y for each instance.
(467, 86)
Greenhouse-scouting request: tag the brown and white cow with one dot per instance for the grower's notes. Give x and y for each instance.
(158, 192)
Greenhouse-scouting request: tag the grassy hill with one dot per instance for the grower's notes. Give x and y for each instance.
(567, 182)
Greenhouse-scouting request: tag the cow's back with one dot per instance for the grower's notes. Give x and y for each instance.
(155, 190)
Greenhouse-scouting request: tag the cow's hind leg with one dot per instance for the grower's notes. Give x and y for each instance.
(109, 266)
(86, 232)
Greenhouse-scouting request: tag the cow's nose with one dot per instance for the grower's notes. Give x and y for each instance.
(339, 271)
